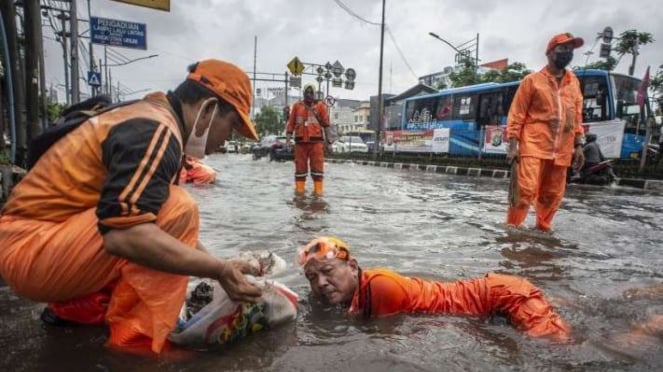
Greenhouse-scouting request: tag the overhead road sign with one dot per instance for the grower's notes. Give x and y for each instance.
(296, 66)
(118, 33)
(154, 4)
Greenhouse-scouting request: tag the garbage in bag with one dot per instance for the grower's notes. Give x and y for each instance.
(210, 317)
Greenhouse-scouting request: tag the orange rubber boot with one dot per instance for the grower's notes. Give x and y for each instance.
(300, 187)
(317, 188)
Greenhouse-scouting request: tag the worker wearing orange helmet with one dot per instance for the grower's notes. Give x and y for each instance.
(545, 134)
(309, 122)
(335, 276)
(99, 229)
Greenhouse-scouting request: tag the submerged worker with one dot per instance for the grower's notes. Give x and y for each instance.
(545, 134)
(196, 172)
(309, 123)
(335, 276)
(97, 227)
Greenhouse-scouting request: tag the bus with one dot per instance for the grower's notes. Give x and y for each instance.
(471, 120)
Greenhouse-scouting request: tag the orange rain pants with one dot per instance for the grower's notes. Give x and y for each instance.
(540, 182)
(383, 292)
(47, 261)
(312, 153)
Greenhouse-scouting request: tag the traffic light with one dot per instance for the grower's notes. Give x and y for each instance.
(605, 50)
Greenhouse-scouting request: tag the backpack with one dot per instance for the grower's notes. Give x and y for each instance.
(71, 118)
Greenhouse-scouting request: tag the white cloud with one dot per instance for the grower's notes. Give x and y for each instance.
(318, 31)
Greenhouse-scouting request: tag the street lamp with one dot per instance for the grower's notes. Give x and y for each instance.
(463, 55)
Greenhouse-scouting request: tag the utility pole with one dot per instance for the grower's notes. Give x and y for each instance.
(73, 17)
(9, 20)
(32, 51)
(378, 131)
(63, 35)
(253, 87)
(95, 89)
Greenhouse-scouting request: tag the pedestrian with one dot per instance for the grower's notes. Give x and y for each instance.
(335, 276)
(545, 134)
(309, 122)
(97, 227)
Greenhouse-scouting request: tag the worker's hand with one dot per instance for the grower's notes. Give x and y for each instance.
(512, 151)
(235, 284)
(328, 148)
(288, 144)
(578, 158)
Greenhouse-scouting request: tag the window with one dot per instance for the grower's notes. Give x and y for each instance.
(595, 98)
(464, 107)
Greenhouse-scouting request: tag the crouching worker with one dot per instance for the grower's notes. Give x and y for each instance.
(97, 227)
(196, 172)
(336, 276)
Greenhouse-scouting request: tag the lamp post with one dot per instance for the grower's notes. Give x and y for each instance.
(463, 50)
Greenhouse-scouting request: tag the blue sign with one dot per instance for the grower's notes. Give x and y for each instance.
(94, 78)
(118, 33)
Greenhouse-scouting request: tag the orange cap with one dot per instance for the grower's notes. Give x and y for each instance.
(564, 38)
(325, 247)
(231, 84)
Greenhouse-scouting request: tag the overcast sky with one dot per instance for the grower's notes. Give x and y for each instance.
(318, 31)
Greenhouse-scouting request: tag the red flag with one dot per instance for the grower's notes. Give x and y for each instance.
(642, 89)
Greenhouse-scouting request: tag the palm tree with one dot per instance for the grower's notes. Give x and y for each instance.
(629, 43)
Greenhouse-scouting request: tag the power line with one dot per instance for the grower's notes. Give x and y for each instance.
(391, 35)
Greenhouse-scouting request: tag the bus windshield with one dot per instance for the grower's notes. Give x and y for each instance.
(626, 92)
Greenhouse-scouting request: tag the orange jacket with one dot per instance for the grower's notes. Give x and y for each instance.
(383, 292)
(198, 173)
(307, 122)
(546, 116)
(121, 162)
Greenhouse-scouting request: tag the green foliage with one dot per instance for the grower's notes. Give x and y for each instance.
(4, 156)
(608, 64)
(54, 111)
(269, 121)
(630, 40)
(467, 75)
(656, 83)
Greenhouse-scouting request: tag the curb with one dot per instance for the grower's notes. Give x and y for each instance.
(653, 185)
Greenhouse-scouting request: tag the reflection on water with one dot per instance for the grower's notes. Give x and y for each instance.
(605, 242)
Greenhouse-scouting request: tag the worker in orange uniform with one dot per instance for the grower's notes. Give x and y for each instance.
(309, 122)
(545, 134)
(335, 276)
(196, 172)
(97, 227)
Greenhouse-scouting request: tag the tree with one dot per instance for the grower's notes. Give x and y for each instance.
(467, 75)
(656, 85)
(609, 64)
(629, 43)
(269, 121)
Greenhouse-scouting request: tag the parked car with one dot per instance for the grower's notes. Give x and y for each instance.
(274, 147)
(349, 144)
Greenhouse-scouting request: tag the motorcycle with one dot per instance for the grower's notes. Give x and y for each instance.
(600, 174)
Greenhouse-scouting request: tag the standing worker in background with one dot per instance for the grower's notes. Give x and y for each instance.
(309, 121)
(545, 134)
(98, 229)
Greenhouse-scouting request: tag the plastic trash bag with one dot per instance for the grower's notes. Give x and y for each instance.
(223, 321)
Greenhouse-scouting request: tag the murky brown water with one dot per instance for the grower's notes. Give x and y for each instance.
(606, 242)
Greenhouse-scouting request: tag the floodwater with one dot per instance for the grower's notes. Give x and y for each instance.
(607, 248)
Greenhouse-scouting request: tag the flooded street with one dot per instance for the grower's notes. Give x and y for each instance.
(607, 248)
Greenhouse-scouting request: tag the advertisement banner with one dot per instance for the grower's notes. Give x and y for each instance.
(154, 4)
(609, 135)
(495, 140)
(409, 141)
(440, 143)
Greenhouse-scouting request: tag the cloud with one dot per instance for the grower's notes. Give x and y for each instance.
(318, 31)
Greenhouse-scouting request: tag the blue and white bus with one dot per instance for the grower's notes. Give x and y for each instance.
(470, 120)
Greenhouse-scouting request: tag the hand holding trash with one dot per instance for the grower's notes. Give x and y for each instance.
(231, 277)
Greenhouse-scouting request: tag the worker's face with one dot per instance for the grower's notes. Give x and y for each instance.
(334, 279)
(221, 123)
(309, 95)
(561, 55)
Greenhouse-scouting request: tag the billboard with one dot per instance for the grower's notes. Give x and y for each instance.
(154, 4)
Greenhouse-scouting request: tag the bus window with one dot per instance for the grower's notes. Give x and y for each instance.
(491, 109)
(595, 98)
(465, 108)
(626, 91)
(420, 113)
(444, 107)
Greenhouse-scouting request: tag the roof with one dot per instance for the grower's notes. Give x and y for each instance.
(414, 91)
